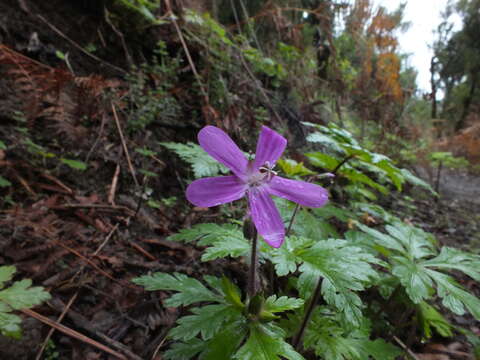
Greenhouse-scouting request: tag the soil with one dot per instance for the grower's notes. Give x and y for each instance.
(85, 235)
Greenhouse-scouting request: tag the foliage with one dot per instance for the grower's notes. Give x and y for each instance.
(224, 325)
(149, 102)
(357, 164)
(417, 266)
(202, 164)
(448, 160)
(331, 341)
(20, 295)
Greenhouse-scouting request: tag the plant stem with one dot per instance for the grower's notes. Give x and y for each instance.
(308, 314)
(297, 206)
(252, 286)
(341, 163)
(437, 182)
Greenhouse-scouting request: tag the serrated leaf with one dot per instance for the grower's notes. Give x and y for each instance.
(281, 304)
(206, 320)
(266, 342)
(356, 176)
(202, 164)
(232, 293)
(331, 341)
(10, 325)
(454, 259)
(378, 349)
(222, 240)
(189, 290)
(185, 351)
(6, 274)
(224, 246)
(382, 239)
(322, 160)
(21, 295)
(74, 164)
(415, 241)
(344, 269)
(429, 317)
(414, 180)
(225, 343)
(454, 297)
(285, 258)
(325, 140)
(412, 276)
(374, 210)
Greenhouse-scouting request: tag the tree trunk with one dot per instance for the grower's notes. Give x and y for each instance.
(466, 104)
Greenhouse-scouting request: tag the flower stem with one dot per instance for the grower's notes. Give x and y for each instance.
(252, 286)
(334, 171)
(297, 206)
(308, 313)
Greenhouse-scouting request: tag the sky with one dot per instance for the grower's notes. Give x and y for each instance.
(425, 16)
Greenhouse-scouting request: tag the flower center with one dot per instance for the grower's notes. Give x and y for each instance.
(264, 175)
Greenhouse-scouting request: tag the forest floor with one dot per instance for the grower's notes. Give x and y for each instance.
(85, 234)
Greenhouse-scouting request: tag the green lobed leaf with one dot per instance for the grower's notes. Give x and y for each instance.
(285, 258)
(281, 304)
(224, 344)
(413, 277)
(21, 295)
(6, 274)
(189, 290)
(344, 269)
(326, 140)
(417, 243)
(202, 164)
(331, 341)
(322, 160)
(429, 317)
(454, 297)
(10, 325)
(357, 176)
(266, 342)
(232, 293)
(454, 259)
(222, 240)
(414, 180)
(206, 320)
(185, 350)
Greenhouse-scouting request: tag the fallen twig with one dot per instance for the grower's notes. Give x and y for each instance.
(124, 145)
(72, 333)
(113, 187)
(404, 347)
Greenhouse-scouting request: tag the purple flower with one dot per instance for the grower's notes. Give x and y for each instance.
(256, 179)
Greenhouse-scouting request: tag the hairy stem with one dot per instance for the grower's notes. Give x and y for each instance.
(308, 314)
(297, 206)
(252, 286)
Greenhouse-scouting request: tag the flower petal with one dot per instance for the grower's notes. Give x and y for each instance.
(266, 217)
(214, 191)
(222, 148)
(301, 192)
(270, 147)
